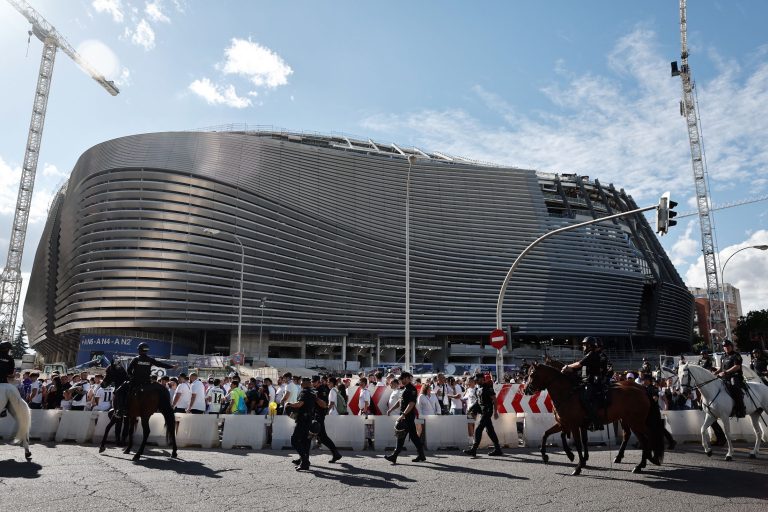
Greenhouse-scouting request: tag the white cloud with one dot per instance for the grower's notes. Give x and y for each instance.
(215, 94)
(143, 35)
(51, 170)
(155, 13)
(112, 7)
(262, 66)
(686, 245)
(746, 271)
(41, 196)
(622, 126)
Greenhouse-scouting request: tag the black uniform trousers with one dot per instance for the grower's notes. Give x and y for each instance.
(486, 423)
(410, 427)
(300, 438)
(322, 436)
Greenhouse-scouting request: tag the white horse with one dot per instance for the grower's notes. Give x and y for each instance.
(719, 404)
(18, 408)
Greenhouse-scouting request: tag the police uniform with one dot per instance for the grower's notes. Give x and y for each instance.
(486, 401)
(322, 392)
(303, 416)
(7, 368)
(138, 374)
(593, 385)
(734, 381)
(408, 424)
(605, 363)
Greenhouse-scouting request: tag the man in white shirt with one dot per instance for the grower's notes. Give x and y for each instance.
(214, 397)
(454, 394)
(35, 392)
(364, 399)
(102, 398)
(183, 395)
(197, 399)
(291, 394)
(394, 399)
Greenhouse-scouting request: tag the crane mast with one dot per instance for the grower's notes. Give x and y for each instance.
(10, 279)
(708, 245)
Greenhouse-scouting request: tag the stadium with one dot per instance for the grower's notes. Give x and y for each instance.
(154, 234)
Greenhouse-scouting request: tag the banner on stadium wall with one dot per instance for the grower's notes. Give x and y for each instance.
(92, 345)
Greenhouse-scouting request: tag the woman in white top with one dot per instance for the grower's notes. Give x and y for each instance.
(427, 403)
(332, 397)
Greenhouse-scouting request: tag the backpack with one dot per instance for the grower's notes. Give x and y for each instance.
(341, 404)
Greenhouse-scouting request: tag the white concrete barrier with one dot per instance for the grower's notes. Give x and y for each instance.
(45, 423)
(76, 426)
(156, 431)
(242, 430)
(102, 420)
(7, 428)
(684, 425)
(506, 430)
(346, 431)
(534, 426)
(446, 432)
(384, 433)
(282, 430)
(196, 430)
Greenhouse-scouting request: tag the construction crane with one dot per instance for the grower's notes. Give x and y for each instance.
(723, 206)
(10, 280)
(708, 245)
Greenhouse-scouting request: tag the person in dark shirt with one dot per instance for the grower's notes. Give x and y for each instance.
(7, 367)
(705, 361)
(488, 413)
(304, 410)
(321, 411)
(139, 373)
(406, 423)
(759, 365)
(730, 372)
(592, 389)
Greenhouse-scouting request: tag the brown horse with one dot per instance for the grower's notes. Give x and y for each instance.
(629, 403)
(143, 403)
(557, 427)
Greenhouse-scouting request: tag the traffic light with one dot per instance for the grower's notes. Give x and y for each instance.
(665, 214)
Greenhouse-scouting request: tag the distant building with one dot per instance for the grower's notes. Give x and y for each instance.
(732, 304)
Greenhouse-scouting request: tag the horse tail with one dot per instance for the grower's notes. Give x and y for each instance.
(20, 411)
(655, 432)
(166, 409)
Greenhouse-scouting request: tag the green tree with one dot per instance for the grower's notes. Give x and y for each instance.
(20, 346)
(752, 330)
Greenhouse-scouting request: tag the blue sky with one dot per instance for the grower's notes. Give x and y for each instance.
(558, 86)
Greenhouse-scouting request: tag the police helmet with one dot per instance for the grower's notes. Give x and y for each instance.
(727, 342)
(757, 352)
(6, 345)
(589, 341)
(143, 347)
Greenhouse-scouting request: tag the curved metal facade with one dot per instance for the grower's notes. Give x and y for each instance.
(322, 224)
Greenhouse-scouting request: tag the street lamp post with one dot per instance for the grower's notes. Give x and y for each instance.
(215, 232)
(411, 160)
(722, 276)
(262, 304)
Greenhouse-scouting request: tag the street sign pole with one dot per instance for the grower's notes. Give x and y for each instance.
(499, 366)
(499, 341)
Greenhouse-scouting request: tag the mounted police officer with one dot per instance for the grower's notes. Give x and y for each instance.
(593, 388)
(730, 372)
(759, 364)
(606, 369)
(7, 367)
(139, 374)
(321, 410)
(304, 411)
(487, 402)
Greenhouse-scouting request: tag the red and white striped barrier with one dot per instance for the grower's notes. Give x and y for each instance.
(380, 400)
(510, 398)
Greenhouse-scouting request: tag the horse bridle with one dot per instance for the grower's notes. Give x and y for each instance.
(697, 386)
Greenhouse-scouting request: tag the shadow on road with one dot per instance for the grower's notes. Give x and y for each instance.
(13, 469)
(355, 477)
(182, 467)
(707, 481)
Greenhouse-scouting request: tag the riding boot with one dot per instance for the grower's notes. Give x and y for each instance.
(740, 410)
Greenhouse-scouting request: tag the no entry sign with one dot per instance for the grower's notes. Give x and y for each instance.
(498, 339)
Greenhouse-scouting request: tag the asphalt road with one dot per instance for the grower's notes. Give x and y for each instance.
(70, 477)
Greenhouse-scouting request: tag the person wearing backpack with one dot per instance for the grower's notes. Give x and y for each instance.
(341, 400)
(237, 399)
